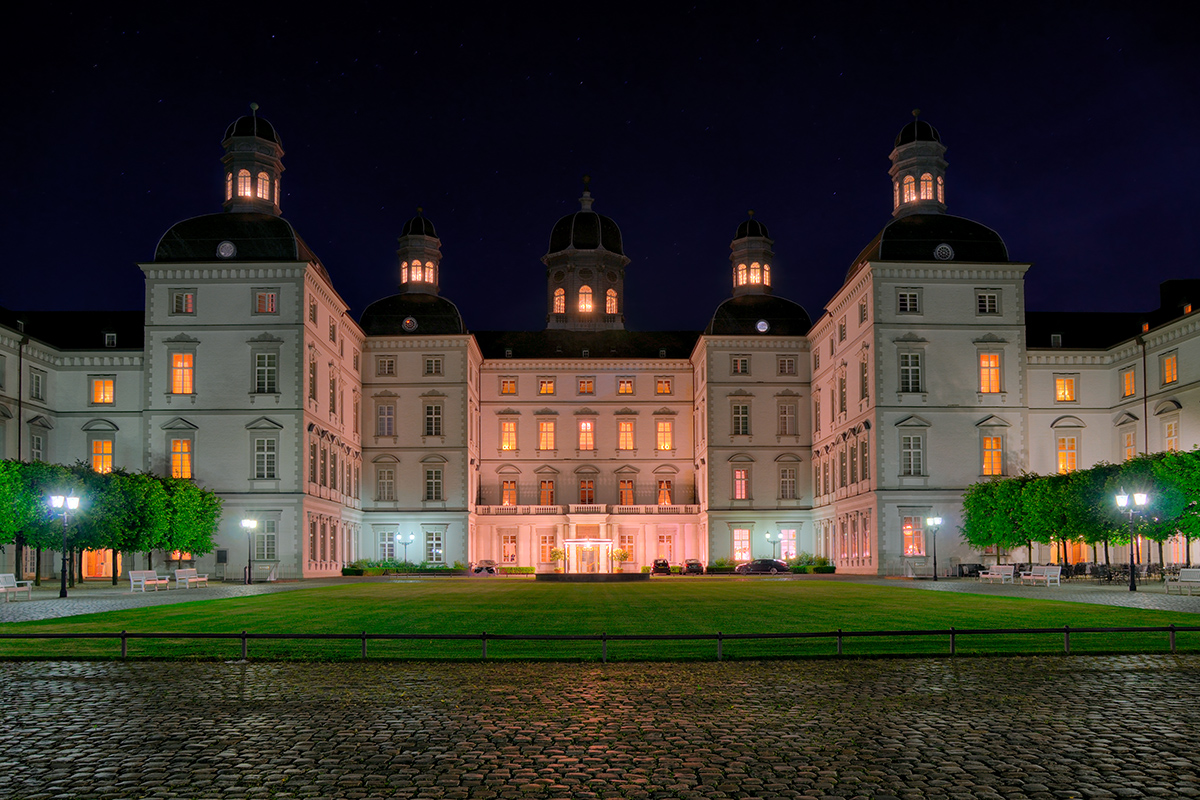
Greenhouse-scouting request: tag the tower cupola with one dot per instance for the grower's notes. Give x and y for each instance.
(751, 257)
(918, 170)
(253, 162)
(420, 256)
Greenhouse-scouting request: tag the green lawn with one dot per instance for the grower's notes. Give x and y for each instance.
(678, 605)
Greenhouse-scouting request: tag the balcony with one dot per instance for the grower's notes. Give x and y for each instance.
(514, 511)
(655, 509)
(589, 508)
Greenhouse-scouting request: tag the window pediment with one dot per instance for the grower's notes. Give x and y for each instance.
(385, 458)
(790, 457)
(434, 458)
(264, 338)
(627, 469)
(385, 393)
(586, 470)
(741, 457)
(740, 393)
(992, 421)
(4, 412)
(263, 423)
(508, 412)
(1166, 407)
(913, 421)
(545, 412)
(508, 469)
(1068, 421)
(666, 469)
(910, 338)
(182, 338)
(546, 469)
(787, 393)
(1124, 418)
(664, 411)
(625, 412)
(990, 338)
(433, 393)
(585, 412)
(180, 424)
(99, 425)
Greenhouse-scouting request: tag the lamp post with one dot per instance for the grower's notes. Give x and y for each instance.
(67, 505)
(775, 542)
(933, 523)
(406, 543)
(249, 525)
(1140, 499)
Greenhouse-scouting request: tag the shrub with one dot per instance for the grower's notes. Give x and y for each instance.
(801, 559)
(517, 570)
(645, 570)
(676, 569)
(800, 569)
(824, 569)
(717, 569)
(821, 561)
(722, 562)
(352, 570)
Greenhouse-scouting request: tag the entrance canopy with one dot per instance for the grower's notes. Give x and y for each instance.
(588, 555)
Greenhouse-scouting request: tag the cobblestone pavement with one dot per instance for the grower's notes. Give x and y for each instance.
(1010, 728)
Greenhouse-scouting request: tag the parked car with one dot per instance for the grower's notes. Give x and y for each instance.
(660, 567)
(485, 566)
(761, 566)
(692, 566)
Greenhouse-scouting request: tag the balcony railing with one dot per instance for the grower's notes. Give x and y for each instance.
(518, 510)
(656, 509)
(589, 508)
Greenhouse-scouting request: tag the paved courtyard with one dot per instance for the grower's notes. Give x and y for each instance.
(1054, 727)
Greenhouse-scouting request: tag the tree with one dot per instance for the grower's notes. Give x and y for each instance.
(194, 516)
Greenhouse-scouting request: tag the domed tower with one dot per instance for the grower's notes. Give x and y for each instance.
(751, 258)
(253, 162)
(420, 255)
(918, 170)
(585, 271)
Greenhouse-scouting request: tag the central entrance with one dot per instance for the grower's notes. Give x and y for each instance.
(588, 556)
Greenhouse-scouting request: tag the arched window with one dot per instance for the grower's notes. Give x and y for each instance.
(926, 186)
(910, 189)
(610, 301)
(429, 277)
(756, 272)
(277, 191)
(741, 275)
(767, 274)
(895, 194)
(585, 298)
(228, 185)
(560, 301)
(941, 189)
(416, 272)
(264, 186)
(404, 272)
(244, 183)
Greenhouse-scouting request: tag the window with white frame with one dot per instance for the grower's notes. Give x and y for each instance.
(266, 301)
(1169, 367)
(1128, 383)
(508, 434)
(739, 365)
(433, 365)
(265, 456)
(312, 379)
(852, 450)
(103, 390)
(912, 454)
(863, 460)
(183, 301)
(434, 554)
(987, 302)
(841, 330)
(587, 491)
(625, 439)
(586, 385)
(508, 492)
(545, 547)
(662, 385)
(787, 483)
(545, 385)
(741, 419)
(387, 546)
(265, 541)
(433, 419)
(1171, 435)
(385, 365)
(37, 447)
(385, 419)
(862, 311)
(508, 385)
(910, 372)
(741, 544)
(741, 483)
(546, 492)
(666, 492)
(102, 453)
(787, 543)
(787, 365)
(508, 548)
(183, 373)
(546, 435)
(993, 454)
(385, 484)
(433, 483)
(624, 385)
(989, 373)
(1067, 446)
(1064, 388)
(914, 535)
(266, 373)
(587, 434)
(625, 492)
(1128, 436)
(181, 457)
(864, 385)
(787, 419)
(908, 301)
(665, 438)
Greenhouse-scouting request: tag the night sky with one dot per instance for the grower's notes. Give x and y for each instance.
(1071, 130)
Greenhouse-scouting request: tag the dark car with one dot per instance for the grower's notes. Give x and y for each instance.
(661, 567)
(760, 566)
(485, 566)
(692, 566)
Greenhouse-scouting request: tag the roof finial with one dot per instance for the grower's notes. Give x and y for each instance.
(751, 213)
(585, 202)
(916, 113)
(420, 211)
(254, 109)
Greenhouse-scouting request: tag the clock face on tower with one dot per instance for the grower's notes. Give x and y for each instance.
(226, 250)
(762, 326)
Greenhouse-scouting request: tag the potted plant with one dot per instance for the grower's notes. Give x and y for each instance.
(557, 555)
(620, 556)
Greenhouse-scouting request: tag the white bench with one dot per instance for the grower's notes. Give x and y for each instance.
(999, 572)
(1047, 575)
(188, 578)
(141, 578)
(1186, 577)
(10, 585)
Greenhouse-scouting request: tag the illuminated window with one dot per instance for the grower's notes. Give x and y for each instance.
(741, 544)
(277, 191)
(266, 302)
(741, 274)
(508, 493)
(665, 439)
(914, 536)
(546, 435)
(787, 419)
(266, 373)
(910, 372)
(610, 301)
(430, 275)
(767, 274)
(433, 420)
(1171, 435)
(662, 386)
(741, 419)
(787, 483)
(183, 301)
(910, 189)
(228, 185)
(741, 483)
(546, 493)
(263, 186)
(624, 385)
(508, 435)
(1067, 447)
(625, 492)
(416, 272)
(404, 272)
(1187, 309)
(926, 186)
(587, 430)
(244, 183)
(182, 372)
(625, 436)
(385, 486)
(989, 373)
(993, 455)
(102, 455)
(103, 392)
(264, 458)
(665, 493)
(1064, 389)
(385, 421)
(1128, 383)
(739, 365)
(587, 491)
(755, 272)
(587, 386)
(181, 458)
(508, 548)
(941, 189)
(560, 301)
(508, 386)
(1129, 443)
(585, 298)
(912, 454)
(895, 194)
(545, 385)
(433, 490)
(1170, 368)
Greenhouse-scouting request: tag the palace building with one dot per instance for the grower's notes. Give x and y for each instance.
(406, 434)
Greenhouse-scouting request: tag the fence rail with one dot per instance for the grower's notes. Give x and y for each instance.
(719, 638)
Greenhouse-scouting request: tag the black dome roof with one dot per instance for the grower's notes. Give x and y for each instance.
(915, 237)
(253, 126)
(255, 237)
(739, 316)
(917, 131)
(586, 230)
(751, 227)
(418, 226)
(432, 314)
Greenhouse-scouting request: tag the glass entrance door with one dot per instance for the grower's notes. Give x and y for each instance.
(589, 555)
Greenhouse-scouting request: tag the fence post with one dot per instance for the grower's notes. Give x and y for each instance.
(243, 645)
(718, 645)
(839, 640)
(604, 648)
(364, 644)
(1067, 639)
(124, 649)
(1171, 637)
(951, 640)
(483, 638)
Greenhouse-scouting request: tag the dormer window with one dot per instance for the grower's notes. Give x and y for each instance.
(910, 189)
(560, 301)
(926, 186)
(244, 183)
(610, 301)
(585, 299)
(264, 186)
(941, 183)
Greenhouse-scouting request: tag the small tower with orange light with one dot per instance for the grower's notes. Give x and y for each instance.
(253, 162)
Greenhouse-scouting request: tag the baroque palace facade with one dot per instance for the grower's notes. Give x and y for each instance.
(406, 435)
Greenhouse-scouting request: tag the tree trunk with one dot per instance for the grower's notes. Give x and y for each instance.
(1161, 558)
(1107, 563)
(1066, 558)
(1095, 556)
(19, 566)
(149, 560)
(1187, 550)
(1029, 544)
(37, 567)
(114, 569)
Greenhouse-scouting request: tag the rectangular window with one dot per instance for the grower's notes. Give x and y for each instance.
(841, 389)
(625, 435)
(853, 451)
(816, 360)
(787, 483)
(1129, 444)
(741, 484)
(862, 311)
(181, 458)
(665, 493)
(864, 460)
(266, 373)
(587, 385)
(908, 301)
(1064, 388)
(1128, 383)
(508, 493)
(332, 330)
(662, 385)
(787, 419)
(37, 447)
(546, 493)
(993, 455)
(1170, 368)
(183, 301)
(433, 420)
(1171, 435)
(739, 365)
(385, 365)
(587, 491)
(385, 484)
(102, 455)
(787, 543)
(387, 546)
(665, 439)
(312, 310)
(312, 462)
(910, 372)
(741, 544)
(816, 411)
(841, 333)
(356, 361)
(546, 435)
(864, 386)
(264, 458)
(433, 365)
(433, 483)
(265, 541)
(625, 492)
(912, 451)
(1067, 447)
(266, 302)
(110, 340)
(624, 385)
(333, 394)
(508, 386)
(508, 548)
(312, 381)
(182, 373)
(545, 546)
(385, 423)
(103, 392)
(987, 302)
(545, 385)
(587, 430)
(741, 419)
(787, 365)
(989, 373)
(433, 547)
(508, 435)
(323, 472)
(914, 536)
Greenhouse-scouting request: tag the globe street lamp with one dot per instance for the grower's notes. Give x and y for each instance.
(775, 542)
(65, 505)
(405, 544)
(933, 523)
(249, 525)
(1140, 499)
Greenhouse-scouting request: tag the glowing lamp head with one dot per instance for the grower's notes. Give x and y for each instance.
(72, 503)
(933, 522)
(1122, 500)
(57, 500)
(1140, 498)
(249, 524)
